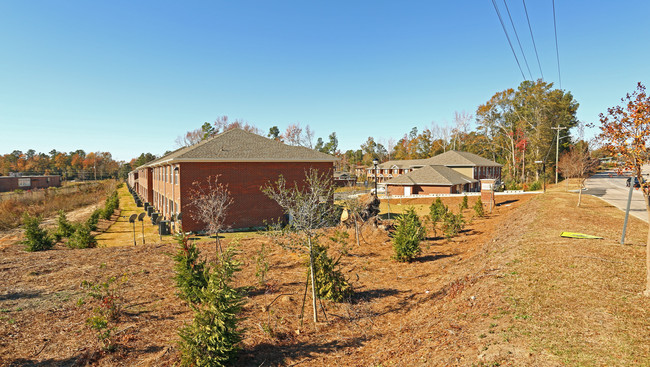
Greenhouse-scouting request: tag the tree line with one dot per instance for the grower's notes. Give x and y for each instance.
(72, 165)
(515, 127)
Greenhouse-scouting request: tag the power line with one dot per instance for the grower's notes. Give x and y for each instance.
(533, 38)
(517, 36)
(510, 43)
(557, 52)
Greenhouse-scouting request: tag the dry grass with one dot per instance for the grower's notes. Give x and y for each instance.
(11, 210)
(580, 299)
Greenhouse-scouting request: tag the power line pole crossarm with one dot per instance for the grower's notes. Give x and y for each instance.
(557, 148)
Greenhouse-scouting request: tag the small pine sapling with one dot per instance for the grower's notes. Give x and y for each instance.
(463, 204)
(191, 276)
(330, 282)
(478, 208)
(64, 228)
(408, 235)
(82, 238)
(437, 212)
(36, 238)
(452, 224)
(213, 336)
(261, 266)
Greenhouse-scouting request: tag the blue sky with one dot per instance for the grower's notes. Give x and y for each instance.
(130, 76)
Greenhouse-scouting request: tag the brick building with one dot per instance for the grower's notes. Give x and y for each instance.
(447, 173)
(11, 183)
(243, 161)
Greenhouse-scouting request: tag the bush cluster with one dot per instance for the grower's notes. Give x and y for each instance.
(36, 238)
(534, 186)
(408, 235)
(112, 203)
(81, 238)
(330, 282)
(94, 219)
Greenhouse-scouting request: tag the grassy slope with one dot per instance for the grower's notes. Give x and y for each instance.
(580, 299)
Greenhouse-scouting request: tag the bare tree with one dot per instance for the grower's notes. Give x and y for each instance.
(308, 139)
(354, 207)
(578, 163)
(309, 208)
(190, 138)
(462, 121)
(441, 134)
(210, 202)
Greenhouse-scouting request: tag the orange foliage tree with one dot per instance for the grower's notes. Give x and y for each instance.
(625, 132)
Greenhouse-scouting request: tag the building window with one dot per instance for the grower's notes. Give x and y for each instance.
(176, 176)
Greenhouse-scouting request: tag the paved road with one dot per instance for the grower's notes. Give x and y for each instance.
(611, 188)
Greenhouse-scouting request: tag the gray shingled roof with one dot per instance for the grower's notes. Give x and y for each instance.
(406, 163)
(240, 145)
(450, 158)
(431, 175)
(458, 158)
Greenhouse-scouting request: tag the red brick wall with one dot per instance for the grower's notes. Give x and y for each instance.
(420, 190)
(250, 207)
(36, 182)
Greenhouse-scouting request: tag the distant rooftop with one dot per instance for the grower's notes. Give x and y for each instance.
(431, 175)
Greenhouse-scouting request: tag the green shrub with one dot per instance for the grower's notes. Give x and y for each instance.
(437, 211)
(452, 224)
(478, 208)
(111, 204)
(94, 219)
(64, 227)
(81, 238)
(407, 237)
(513, 185)
(535, 186)
(212, 339)
(463, 204)
(330, 282)
(36, 238)
(191, 276)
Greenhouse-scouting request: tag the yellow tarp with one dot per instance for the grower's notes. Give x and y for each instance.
(578, 235)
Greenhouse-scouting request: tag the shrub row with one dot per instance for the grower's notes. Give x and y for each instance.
(78, 234)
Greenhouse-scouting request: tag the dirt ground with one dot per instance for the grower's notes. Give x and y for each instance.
(398, 313)
(467, 301)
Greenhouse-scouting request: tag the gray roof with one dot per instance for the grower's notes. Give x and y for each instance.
(458, 158)
(431, 175)
(450, 158)
(237, 145)
(405, 163)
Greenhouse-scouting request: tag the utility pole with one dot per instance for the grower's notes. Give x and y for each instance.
(557, 148)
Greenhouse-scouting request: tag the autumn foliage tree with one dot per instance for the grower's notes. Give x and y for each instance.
(625, 133)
